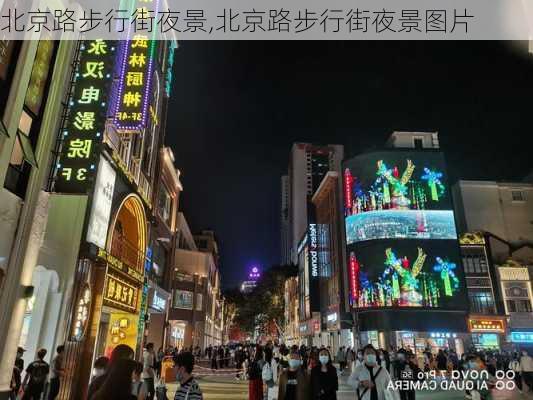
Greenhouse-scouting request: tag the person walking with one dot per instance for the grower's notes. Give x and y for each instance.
(57, 373)
(270, 374)
(514, 365)
(370, 380)
(118, 382)
(294, 381)
(255, 381)
(442, 361)
(121, 352)
(405, 370)
(138, 387)
(324, 379)
(35, 378)
(148, 373)
(214, 353)
(341, 358)
(526, 366)
(158, 361)
(350, 358)
(16, 378)
(189, 389)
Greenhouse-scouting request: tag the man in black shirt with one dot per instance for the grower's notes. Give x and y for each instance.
(35, 378)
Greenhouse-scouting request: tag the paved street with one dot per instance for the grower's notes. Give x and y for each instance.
(226, 387)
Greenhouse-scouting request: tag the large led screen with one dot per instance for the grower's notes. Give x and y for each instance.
(397, 194)
(406, 273)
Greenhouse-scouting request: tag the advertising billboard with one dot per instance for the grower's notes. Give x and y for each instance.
(397, 194)
(413, 273)
(402, 247)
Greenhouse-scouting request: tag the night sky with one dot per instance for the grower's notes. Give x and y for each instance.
(237, 107)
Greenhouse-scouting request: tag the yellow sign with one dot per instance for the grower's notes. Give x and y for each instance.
(121, 294)
(513, 274)
(122, 330)
(486, 325)
(118, 265)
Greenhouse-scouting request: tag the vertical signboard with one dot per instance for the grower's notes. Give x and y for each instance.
(101, 204)
(131, 106)
(85, 124)
(312, 257)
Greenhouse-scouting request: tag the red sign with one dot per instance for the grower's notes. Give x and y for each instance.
(348, 182)
(354, 277)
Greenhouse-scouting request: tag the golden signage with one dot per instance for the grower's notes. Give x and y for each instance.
(120, 294)
(513, 274)
(486, 325)
(472, 238)
(118, 265)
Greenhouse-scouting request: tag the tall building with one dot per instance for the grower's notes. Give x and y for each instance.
(284, 221)
(33, 84)
(406, 280)
(308, 164)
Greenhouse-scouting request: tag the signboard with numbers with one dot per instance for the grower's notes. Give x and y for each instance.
(87, 111)
(131, 104)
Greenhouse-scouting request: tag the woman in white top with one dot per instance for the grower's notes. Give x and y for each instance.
(270, 375)
(138, 387)
(369, 379)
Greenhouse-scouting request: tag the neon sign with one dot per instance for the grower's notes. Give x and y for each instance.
(86, 117)
(120, 294)
(131, 105)
(313, 253)
(354, 277)
(483, 325)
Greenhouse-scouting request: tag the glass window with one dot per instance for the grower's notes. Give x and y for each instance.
(165, 205)
(481, 302)
(517, 195)
(182, 299)
(199, 299)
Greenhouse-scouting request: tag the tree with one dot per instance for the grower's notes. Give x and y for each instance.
(265, 304)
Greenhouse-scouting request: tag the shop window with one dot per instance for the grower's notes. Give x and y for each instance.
(519, 306)
(517, 195)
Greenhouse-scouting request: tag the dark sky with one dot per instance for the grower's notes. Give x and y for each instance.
(237, 107)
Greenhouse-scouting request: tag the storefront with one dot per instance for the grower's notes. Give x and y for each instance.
(486, 333)
(121, 319)
(158, 302)
(418, 342)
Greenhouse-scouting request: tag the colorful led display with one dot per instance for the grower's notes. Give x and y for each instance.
(134, 91)
(395, 181)
(412, 273)
(87, 111)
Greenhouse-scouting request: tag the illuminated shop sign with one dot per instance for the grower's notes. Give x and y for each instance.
(313, 249)
(170, 64)
(442, 335)
(120, 266)
(332, 318)
(483, 325)
(85, 124)
(522, 337)
(101, 204)
(120, 294)
(131, 107)
(354, 277)
(39, 76)
(513, 274)
(81, 314)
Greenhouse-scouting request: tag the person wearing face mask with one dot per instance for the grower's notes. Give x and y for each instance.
(482, 386)
(324, 379)
(294, 382)
(405, 369)
(526, 366)
(358, 360)
(189, 389)
(370, 380)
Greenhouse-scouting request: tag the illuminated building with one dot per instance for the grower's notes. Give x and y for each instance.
(405, 275)
(336, 318)
(99, 265)
(196, 314)
(30, 109)
(308, 164)
(291, 335)
(248, 286)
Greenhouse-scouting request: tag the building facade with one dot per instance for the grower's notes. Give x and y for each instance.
(32, 86)
(406, 281)
(336, 318)
(284, 221)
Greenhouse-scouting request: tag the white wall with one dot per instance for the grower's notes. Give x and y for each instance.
(489, 206)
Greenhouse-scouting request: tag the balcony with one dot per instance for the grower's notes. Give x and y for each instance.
(121, 145)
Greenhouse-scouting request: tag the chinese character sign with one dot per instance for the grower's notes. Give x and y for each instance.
(121, 294)
(131, 104)
(87, 111)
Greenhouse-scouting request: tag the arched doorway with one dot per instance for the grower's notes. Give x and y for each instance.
(124, 277)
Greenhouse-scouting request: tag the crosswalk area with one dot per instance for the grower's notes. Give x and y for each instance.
(217, 387)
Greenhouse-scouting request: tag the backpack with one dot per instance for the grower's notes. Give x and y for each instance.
(39, 372)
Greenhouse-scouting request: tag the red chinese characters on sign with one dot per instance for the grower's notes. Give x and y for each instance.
(348, 183)
(354, 277)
